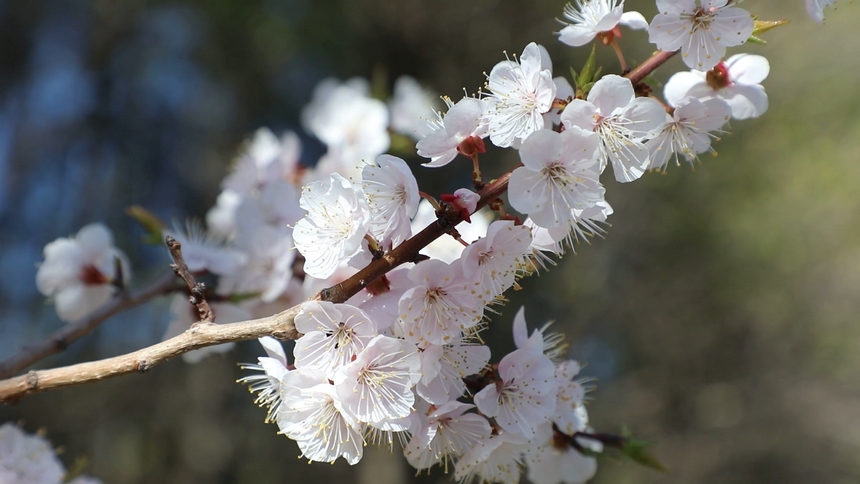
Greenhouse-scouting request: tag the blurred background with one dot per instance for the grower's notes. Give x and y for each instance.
(719, 316)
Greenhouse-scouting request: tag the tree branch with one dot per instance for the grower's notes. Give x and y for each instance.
(200, 335)
(196, 290)
(282, 325)
(63, 337)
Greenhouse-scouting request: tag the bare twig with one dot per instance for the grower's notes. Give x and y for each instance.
(203, 334)
(62, 338)
(642, 70)
(197, 290)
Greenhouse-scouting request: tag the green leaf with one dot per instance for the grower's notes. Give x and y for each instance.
(637, 451)
(151, 224)
(586, 75)
(762, 26)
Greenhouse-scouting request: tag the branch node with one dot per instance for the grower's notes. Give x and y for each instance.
(196, 290)
(32, 380)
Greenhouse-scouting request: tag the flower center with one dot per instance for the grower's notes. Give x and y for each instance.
(718, 77)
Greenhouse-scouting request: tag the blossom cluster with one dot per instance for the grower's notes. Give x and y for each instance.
(402, 359)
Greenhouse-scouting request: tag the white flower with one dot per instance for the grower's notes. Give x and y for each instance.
(570, 415)
(351, 124)
(560, 173)
(205, 251)
(265, 159)
(376, 386)
(525, 396)
(183, 314)
(81, 273)
(446, 248)
(312, 415)
(494, 459)
(552, 458)
(267, 385)
(333, 335)
(411, 106)
(815, 8)
(446, 435)
(541, 341)
(460, 131)
(737, 81)
(521, 92)
(27, 459)
(267, 267)
(444, 367)
(338, 219)
(344, 116)
(702, 33)
(442, 305)
(622, 121)
(686, 132)
(494, 261)
(593, 17)
(392, 196)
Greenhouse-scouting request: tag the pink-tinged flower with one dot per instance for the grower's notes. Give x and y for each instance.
(465, 200)
(525, 395)
(521, 93)
(494, 459)
(392, 197)
(312, 415)
(376, 386)
(494, 261)
(560, 173)
(687, 132)
(81, 272)
(552, 460)
(590, 18)
(461, 130)
(737, 81)
(331, 233)
(701, 32)
(447, 434)
(815, 9)
(621, 120)
(333, 335)
(441, 307)
(444, 367)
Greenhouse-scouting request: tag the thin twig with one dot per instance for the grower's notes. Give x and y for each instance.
(63, 337)
(197, 290)
(281, 326)
(203, 334)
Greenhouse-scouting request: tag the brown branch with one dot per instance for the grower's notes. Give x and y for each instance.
(197, 290)
(282, 325)
(203, 334)
(200, 335)
(63, 337)
(642, 70)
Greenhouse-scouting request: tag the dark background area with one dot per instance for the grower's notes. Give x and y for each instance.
(719, 315)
